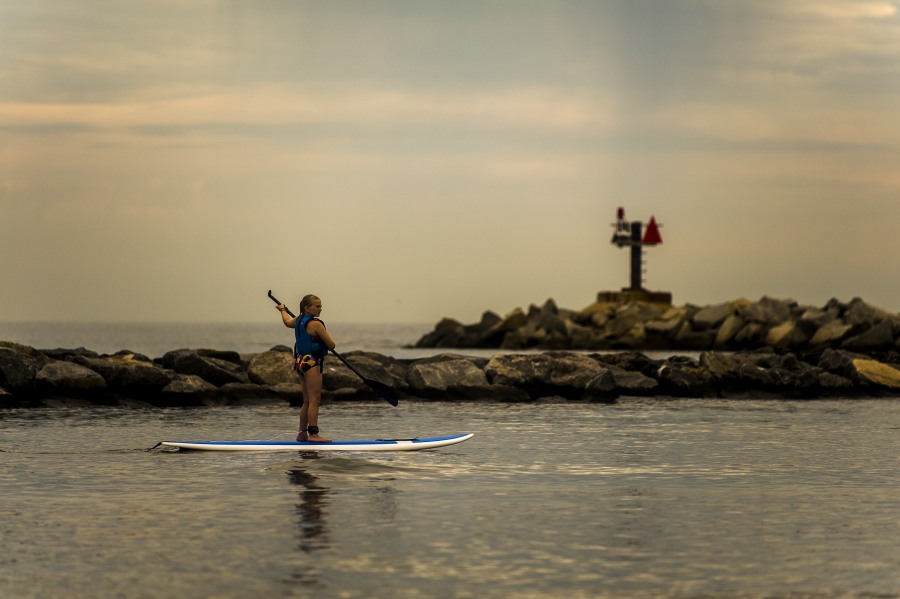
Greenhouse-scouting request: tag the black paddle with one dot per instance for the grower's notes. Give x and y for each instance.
(383, 391)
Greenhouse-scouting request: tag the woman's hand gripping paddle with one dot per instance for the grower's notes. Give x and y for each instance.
(383, 391)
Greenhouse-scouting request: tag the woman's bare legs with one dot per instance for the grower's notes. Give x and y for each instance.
(304, 410)
(311, 384)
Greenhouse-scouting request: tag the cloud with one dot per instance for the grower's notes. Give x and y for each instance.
(479, 126)
(832, 39)
(842, 10)
(279, 104)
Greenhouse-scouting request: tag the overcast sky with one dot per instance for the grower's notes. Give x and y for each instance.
(408, 160)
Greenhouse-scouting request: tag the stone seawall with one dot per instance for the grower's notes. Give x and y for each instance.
(737, 325)
(31, 377)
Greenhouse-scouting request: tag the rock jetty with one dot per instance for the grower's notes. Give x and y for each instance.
(781, 325)
(185, 377)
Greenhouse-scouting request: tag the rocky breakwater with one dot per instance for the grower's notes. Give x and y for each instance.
(33, 378)
(776, 324)
(180, 378)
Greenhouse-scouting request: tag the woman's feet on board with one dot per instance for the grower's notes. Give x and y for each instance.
(312, 436)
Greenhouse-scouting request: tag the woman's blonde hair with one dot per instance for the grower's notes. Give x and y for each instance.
(307, 301)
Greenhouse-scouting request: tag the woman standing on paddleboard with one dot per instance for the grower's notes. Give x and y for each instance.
(312, 345)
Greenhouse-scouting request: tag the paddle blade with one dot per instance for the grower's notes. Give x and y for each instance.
(383, 391)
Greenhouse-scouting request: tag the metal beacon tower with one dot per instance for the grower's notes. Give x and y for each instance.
(633, 235)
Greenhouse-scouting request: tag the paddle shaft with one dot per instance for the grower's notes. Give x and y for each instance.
(278, 301)
(385, 392)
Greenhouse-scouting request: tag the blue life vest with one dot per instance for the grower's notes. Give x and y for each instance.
(306, 343)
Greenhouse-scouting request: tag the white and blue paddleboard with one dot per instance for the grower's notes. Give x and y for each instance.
(362, 445)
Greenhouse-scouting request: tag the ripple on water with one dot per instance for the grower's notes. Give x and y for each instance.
(683, 498)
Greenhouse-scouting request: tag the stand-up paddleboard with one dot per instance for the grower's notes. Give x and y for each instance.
(362, 445)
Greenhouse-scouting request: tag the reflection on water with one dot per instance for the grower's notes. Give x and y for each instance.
(312, 526)
(646, 498)
(368, 479)
(311, 510)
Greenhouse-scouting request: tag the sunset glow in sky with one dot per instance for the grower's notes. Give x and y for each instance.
(408, 160)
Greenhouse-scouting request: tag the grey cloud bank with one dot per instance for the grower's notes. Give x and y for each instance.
(407, 161)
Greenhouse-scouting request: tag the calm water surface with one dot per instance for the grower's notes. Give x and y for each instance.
(686, 498)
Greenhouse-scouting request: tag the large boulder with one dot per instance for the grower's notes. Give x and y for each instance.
(584, 337)
(778, 375)
(819, 317)
(769, 311)
(863, 316)
(569, 375)
(633, 373)
(19, 364)
(830, 333)
(447, 333)
(511, 322)
(631, 382)
(526, 336)
(220, 354)
(488, 332)
(376, 367)
(443, 374)
(248, 394)
(662, 331)
(712, 317)
(681, 382)
(451, 376)
(631, 361)
(840, 363)
(596, 314)
(722, 367)
(751, 335)
(126, 375)
(790, 335)
(876, 338)
(629, 315)
(876, 373)
(187, 390)
(68, 379)
(833, 385)
(727, 329)
(480, 334)
(338, 377)
(688, 338)
(62, 353)
(393, 368)
(795, 378)
(290, 392)
(272, 368)
(753, 376)
(683, 379)
(216, 370)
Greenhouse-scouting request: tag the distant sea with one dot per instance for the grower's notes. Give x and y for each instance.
(648, 497)
(155, 339)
